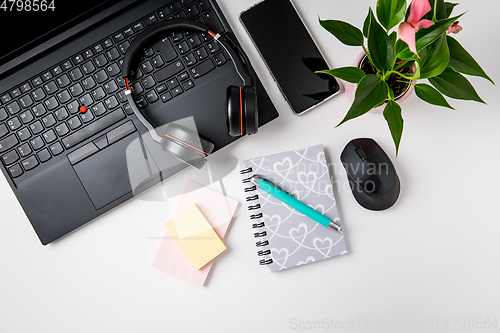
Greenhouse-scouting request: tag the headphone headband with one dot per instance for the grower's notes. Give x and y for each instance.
(238, 57)
(156, 30)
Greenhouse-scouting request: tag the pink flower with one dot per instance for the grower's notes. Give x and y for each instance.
(407, 30)
(454, 28)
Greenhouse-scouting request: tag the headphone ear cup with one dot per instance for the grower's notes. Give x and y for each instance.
(235, 112)
(187, 145)
(251, 109)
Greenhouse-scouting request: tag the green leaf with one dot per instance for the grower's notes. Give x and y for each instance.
(349, 74)
(371, 92)
(393, 37)
(462, 62)
(392, 114)
(449, 8)
(434, 58)
(455, 85)
(430, 95)
(345, 32)
(380, 46)
(390, 12)
(438, 11)
(429, 35)
(402, 50)
(366, 24)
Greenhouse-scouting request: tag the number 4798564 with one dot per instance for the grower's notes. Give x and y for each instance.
(28, 5)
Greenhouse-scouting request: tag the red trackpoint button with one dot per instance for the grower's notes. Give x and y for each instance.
(83, 109)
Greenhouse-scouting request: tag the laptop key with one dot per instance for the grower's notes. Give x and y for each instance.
(56, 148)
(10, 157)
(43, 155)
(99, 109)
(98, 94)
(111, 102)
(62, 129)
(6, 98)
(213, 22)
(47, 76)
(48, 121)
(26, 101)
(201, 53)
(93, 128)
(88, 83)
(202, 69)
(148, 82)
(123, 47)
(88, 67)
(15, 171)
(87, 117)
(24, 150)
(73, 107)
(166, 97)
(101, 61)
(51, 103)
(56, 71)
(64, 96)
(111, 87)
(76, 74)
(3, 114)
(204, 5)
(188, 85)
(150, 20)
(14, 123)
(151, 96)
(63, 81)
(37, 81)
(36, 127)
(119, 37)
(113, 69)
(24, 134)
(182, 47)
(107, 43)
(157, 61)
(77, 59)
(169, 70)
(30, 163)
(113, 54)
(15, 93)
(86, 100)
(26, 117)
(13, 108)
(39, 110)
(101, 76)
(166, 49)
(3, 130)
(61, 114)
(25, 87)
(66, 65)
(74, 123)
(38, 94)
(49, 136)
(37, 143)
(8, 142)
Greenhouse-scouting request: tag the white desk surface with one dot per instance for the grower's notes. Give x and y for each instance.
(431, 258)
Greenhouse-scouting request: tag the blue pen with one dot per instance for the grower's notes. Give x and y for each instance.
(283, 196)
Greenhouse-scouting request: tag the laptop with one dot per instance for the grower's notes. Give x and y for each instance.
(73, 59)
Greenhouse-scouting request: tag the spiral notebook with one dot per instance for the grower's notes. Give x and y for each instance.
(287, 238)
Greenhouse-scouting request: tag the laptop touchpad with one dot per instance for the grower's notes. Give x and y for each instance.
(106, 174)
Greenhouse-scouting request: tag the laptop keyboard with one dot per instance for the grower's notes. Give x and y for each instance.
(80, 97)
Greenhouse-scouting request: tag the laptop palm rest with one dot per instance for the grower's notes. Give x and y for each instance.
(123, 167)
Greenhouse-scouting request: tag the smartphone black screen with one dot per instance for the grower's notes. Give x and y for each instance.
(289, 52)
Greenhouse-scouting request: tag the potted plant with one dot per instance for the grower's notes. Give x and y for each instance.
(422, 48)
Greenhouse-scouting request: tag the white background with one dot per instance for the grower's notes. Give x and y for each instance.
(433, 256)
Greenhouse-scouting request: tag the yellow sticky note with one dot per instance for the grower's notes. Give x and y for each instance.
(199, 242)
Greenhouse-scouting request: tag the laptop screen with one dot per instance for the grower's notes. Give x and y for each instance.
(27, 24)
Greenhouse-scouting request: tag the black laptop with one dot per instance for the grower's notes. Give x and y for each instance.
(55, 63)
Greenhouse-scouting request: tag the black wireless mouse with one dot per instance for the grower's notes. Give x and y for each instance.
(372, 176)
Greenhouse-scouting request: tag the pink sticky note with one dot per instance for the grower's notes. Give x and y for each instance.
(218, 210)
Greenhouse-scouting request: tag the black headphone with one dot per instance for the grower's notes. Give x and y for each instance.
(242, 108)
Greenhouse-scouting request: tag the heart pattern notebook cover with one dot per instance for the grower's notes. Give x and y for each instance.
(286, 237)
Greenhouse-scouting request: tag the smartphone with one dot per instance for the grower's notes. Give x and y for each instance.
(290, 53)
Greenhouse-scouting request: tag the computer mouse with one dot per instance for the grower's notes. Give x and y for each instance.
(372, 177)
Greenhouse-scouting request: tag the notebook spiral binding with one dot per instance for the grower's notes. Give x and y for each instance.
(256, 216)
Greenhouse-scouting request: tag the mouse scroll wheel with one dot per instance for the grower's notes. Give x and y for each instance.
(362, 154)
